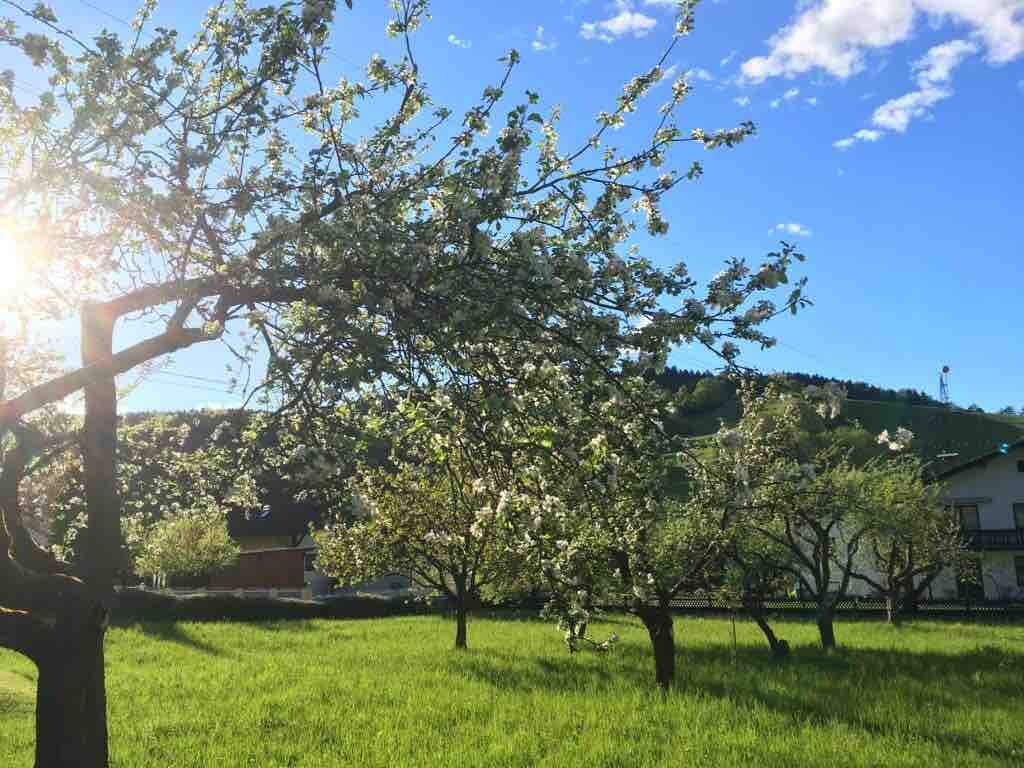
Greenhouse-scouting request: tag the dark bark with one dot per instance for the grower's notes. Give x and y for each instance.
(102, 551)
(71, 706)
(780, 648)
(460, 613)
(826, 628)
(460, 622)
(658, 621)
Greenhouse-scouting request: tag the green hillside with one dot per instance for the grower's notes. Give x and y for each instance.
(938, 430)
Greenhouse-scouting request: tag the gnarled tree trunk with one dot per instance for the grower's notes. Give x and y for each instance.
(71, 704)
(780, 648)
(56, 620)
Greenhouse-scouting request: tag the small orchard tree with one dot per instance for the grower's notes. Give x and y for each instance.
(911, 535)
(623, 528)
(438, 512)
(801, 491)
(756, 571)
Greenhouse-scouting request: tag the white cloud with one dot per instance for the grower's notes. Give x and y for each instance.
(668, 74)
(793, 228)
(699, 74)
(864, 134)
(459, 43)
(625, 22)
(540, 44)
(725, 61)
(836, 35)
(896, 114)
(812, 100)
(938, 64)
(934, 71)
(789, 95)
(742, 101)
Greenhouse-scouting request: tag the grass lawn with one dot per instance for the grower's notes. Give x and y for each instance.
(391, 692)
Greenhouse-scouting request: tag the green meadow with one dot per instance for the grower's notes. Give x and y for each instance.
(393, 692)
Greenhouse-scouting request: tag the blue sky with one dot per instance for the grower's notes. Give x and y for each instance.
(888, 148)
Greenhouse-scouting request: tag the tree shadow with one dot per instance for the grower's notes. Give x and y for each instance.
(858, 688)
(171, 632)
(841, 687)
(510, 671)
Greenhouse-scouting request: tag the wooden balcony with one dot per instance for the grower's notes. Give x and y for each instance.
(996, 538)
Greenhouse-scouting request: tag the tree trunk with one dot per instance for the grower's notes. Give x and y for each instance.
(102, 556)
(826, 614)
(460, 614)
(780, 648)
(892, 609)
(658, 621)
(71, 705)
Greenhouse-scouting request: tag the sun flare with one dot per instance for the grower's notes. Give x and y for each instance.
(14, 281)
(13, 270)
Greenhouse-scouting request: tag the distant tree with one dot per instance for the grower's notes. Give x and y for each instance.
(911, 536)
(437, 512)
(802, 492)
(187, 544)
(758, 569)
(709, 393)
(616, 519)
(975, 408)
(1008, 411)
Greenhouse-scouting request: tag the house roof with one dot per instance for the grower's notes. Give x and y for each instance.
(283, 519)
(980, 460)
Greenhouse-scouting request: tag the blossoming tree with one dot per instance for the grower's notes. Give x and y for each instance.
(227, 188)
(436, 511)
(912, 535)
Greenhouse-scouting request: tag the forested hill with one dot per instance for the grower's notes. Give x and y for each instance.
(937, 428)
(712, 399)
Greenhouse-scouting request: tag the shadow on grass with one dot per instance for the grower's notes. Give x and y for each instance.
(848, 687)
(928, 689)
(171, 632)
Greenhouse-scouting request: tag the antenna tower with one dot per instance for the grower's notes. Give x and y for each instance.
(944, 385)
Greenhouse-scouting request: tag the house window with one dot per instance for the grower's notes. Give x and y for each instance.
(1018, 563)
(310, 561)
(1020, 465)
(968, 514)
(1018, 515)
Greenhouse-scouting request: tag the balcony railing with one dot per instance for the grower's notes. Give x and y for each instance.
(996, 538)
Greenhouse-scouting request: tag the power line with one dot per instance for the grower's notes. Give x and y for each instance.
(166, 372)
(106, 13)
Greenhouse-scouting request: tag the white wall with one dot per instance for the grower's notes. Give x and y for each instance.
(995, 486)
(997, 482)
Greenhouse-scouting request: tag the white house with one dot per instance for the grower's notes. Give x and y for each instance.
(988, 495)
